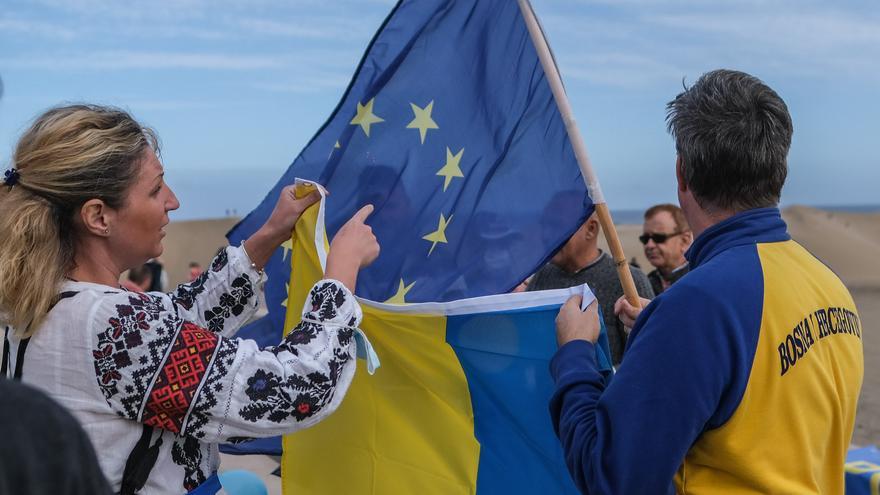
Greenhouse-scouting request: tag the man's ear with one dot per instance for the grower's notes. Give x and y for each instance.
(679, 174)
(592, 230)
(688, 237)
(97, 217)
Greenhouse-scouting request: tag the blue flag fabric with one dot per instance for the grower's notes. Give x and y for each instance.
(450, 130)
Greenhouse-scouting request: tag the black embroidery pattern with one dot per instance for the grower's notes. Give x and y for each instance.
(326, 299)
(186, 294)
(302, 334)
(275, 398)
(230, 304)
(220, 261)
(298, 396)
(124, 334)
(207, 398)
(187, 453)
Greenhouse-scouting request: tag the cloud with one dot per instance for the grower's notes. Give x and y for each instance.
(635, 43)
(311, 83)
(19, 26)
(618, 69)
(121, 60)
(314, 28)
(795, 31)
(141, 105)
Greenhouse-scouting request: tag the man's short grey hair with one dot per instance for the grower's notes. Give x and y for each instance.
(732, 134)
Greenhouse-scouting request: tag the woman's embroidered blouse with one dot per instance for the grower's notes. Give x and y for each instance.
(120, 359)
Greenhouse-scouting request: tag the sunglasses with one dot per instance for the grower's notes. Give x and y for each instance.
(657, 238)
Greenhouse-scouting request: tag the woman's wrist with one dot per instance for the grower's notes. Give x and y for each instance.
(262, 244)
(344, 271)
(274, 235)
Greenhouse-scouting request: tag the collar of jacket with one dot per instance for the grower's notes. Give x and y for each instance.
(748, 227)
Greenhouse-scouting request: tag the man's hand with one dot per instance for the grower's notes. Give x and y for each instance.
(627, 313)
(574, 324)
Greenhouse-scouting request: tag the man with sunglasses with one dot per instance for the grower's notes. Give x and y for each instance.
(743, 376)
(666, 238)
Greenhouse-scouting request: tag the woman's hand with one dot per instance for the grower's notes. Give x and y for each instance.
(287, 211)
(574, 324)
(353, 248)
(279, 227)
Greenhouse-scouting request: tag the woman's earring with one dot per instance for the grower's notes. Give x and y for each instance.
(106, 231)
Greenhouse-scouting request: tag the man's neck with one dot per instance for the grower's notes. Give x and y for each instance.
(701, 217)
(576, 263)
(707, 218)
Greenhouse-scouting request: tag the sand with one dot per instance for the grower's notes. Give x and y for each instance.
(847, 242)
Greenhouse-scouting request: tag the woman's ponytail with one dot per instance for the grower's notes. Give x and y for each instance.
(32, 261)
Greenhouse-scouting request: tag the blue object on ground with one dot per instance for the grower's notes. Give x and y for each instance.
(862, 471)
(241, 482)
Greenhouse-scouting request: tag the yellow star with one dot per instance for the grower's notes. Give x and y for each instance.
(365, 117)
(337, 146)
(286, 246)
(438, 235)
(451, 168)
(286, 291)
(399, 298)
(423, 120)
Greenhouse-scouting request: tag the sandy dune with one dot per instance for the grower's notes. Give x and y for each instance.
(847, 242)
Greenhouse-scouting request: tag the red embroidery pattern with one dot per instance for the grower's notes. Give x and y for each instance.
(175, 388)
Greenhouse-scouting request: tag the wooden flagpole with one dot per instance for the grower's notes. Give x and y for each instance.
(580, 152)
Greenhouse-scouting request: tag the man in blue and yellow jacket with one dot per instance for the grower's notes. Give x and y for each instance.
(744, 376)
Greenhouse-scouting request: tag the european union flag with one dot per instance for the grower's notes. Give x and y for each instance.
(450, 130)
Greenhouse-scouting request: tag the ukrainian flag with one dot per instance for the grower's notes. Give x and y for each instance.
(458, 406)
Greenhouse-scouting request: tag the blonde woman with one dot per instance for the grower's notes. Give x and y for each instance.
(155, 379)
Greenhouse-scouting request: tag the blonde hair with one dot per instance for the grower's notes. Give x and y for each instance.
(69, 155)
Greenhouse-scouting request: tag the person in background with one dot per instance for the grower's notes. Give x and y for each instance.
(44, 449)
(158, 275)
(743, 376)
(195, 270)
(139, 279)
(666, 237)
(580, 261)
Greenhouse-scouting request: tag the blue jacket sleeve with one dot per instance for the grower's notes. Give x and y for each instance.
(685, 371)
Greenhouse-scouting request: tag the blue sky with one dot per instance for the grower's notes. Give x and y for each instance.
(235, 89)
